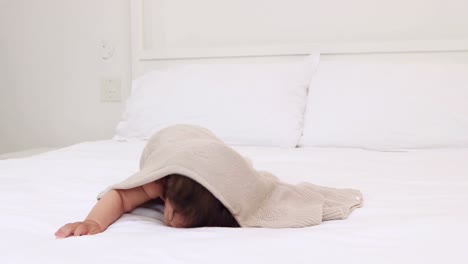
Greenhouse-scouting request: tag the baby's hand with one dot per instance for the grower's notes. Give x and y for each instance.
(87, 227)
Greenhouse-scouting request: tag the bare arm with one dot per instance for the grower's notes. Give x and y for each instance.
(110, 207)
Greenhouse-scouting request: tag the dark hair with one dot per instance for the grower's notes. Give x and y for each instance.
(198, 206)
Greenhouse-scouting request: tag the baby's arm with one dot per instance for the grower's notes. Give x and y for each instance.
(110, 207)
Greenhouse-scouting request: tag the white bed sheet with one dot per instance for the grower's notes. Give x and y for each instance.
(415, 210)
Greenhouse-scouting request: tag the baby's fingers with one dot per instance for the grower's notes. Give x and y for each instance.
(81, 229)
(66, 230)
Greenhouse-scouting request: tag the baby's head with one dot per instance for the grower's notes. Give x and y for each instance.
(189, 204)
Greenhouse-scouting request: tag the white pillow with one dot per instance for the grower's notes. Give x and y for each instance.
(243, 104)
(387, 105)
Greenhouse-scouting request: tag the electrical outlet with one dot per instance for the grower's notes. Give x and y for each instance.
(110, 90)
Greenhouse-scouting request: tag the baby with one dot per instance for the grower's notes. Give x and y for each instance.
(204, 182)
(186, 204)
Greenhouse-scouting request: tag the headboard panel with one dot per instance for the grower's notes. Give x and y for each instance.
(165, 32)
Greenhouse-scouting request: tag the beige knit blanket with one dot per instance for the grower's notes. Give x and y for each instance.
(255, 198)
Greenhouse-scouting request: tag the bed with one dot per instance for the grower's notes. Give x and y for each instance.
(376, 110)
(415, 210)
(411, 167)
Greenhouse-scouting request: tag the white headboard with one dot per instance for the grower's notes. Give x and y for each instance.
(166, 32)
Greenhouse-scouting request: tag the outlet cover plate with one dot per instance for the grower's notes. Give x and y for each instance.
(111, 90)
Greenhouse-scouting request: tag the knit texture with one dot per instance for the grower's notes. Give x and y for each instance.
(255, 198)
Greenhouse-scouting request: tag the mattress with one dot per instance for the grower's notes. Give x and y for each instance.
(415, 210)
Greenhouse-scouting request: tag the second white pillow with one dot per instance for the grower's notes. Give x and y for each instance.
(387, 106)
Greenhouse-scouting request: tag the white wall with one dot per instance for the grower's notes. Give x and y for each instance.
(212, 28)
(51, 67)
